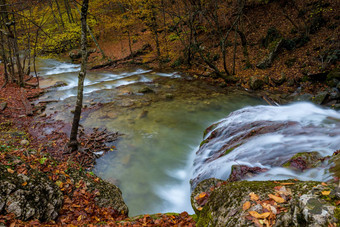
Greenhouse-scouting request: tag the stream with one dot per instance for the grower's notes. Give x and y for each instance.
(162, 127)
(162, 116)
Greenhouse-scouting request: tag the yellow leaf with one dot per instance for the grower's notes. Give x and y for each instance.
(325, 192)
(246, 205)
(79, 218)
(276, 198)
(259, 216)
(200, 208)
(287, 183)
(10, 170)
(253, 196)
(24, 184)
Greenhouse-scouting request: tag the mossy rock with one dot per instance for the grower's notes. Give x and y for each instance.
(109, 195)
(304, 160)
(306, 206)
(31, 196)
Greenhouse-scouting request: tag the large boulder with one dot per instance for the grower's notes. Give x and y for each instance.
(258, 203)
(31, 196)
(109, 195)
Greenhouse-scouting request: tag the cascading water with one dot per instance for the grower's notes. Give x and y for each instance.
(266, 137)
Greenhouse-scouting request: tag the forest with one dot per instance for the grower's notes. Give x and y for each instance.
(83, 82)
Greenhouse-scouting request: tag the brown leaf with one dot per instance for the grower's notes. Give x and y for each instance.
(253, 196)
(276, 198)
(259, 216)
(246, 205)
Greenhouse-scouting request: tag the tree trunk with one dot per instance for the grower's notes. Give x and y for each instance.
(73, 144)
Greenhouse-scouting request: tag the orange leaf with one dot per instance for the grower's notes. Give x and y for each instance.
(276, 198)
(337, 202)
(246, 205)
(201, 195)
(10, 170)
(287, 183)
(253, 196)
(199, 208)
(325, 192)
(24, 184)
(323, 184)
(259, 216)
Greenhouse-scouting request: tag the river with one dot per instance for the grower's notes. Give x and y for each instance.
(162, 125)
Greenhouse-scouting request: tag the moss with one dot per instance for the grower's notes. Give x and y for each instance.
(229, 150)
(204, 142)
(337, 214)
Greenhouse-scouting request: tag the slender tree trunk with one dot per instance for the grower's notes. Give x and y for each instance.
(73, 144)
(235, 48)
(68, 11)
(93, 38)
(60, 14)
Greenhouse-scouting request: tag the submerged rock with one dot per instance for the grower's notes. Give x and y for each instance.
(303, 161)
(254, 138)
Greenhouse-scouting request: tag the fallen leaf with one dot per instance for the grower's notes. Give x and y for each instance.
(276, 198)
(287, 183)
(246, 205)
(79, 218)
(24, 184)
(323, 184)
(325, 192)
(253, 196)
(337, 202)
(201, 195)
(10, 170)
(199, 208)
(259, 216)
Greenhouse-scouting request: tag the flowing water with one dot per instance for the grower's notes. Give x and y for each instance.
(153, 160)
(266, 137)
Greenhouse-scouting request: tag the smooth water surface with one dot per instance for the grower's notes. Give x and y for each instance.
(153, 161)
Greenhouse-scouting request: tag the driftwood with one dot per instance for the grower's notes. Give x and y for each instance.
(27, 104)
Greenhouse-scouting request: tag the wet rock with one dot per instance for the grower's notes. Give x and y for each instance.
(256, 83)
(29, 197)
(3, 106)
(320, 98)
(304, 160)
(240, 172)
(303, 97)
(145, 90)
(305, 206)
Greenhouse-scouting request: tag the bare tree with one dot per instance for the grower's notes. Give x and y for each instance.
(73, 144)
